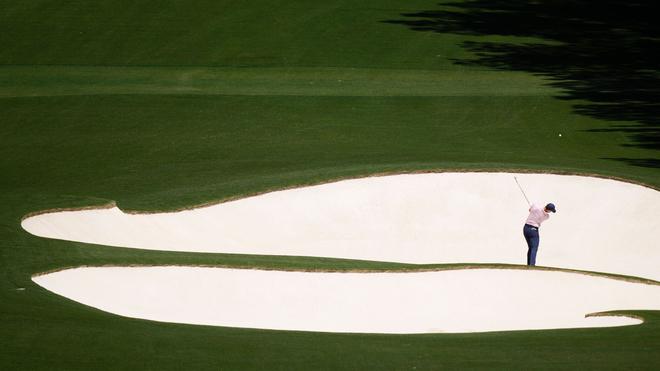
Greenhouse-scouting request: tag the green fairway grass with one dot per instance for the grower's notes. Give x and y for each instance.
(167, 105)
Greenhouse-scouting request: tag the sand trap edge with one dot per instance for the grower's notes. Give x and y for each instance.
(440, 268)
(513, 171)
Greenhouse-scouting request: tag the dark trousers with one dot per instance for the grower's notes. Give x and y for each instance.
(531, 234)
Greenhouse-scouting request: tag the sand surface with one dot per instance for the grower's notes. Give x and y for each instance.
(601, 225)
(424, 302)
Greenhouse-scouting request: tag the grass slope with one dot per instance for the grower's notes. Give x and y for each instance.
(163, 105)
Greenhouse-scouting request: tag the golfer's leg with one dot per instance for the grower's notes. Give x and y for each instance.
(527, 232)
(533, 249)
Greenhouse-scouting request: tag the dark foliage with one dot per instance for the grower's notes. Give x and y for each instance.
(605, 55)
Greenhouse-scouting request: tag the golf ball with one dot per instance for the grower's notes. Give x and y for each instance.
(559, 134)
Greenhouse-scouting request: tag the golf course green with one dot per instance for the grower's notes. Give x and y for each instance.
(166, 105)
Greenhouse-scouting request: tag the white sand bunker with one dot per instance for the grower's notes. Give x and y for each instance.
(601, 225)
(429, 302)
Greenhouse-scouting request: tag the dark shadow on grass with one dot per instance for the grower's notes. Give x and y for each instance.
(640, 162)
(604, 55)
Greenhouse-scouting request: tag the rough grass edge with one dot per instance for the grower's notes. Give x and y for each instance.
(421, 269)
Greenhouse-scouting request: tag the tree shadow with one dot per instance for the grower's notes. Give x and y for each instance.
(605, 55)
(641, 162)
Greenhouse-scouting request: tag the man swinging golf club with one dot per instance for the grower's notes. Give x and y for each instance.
(532, 225)
(531, 229)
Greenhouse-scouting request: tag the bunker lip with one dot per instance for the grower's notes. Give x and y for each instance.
(512, 171)
(457, 301)
(602, 225)
(616, 314)
(401, 270)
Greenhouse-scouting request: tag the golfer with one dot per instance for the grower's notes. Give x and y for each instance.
(531, 229)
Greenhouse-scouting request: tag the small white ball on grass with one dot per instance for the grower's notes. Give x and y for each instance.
(559, 134)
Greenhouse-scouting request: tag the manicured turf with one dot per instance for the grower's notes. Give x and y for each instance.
(164, 105)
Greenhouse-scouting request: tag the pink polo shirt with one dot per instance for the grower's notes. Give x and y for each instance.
(536, 216)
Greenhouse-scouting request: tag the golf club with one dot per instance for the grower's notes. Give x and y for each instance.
(523, 192)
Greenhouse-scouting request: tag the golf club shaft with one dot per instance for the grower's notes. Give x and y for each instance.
(523, 192)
